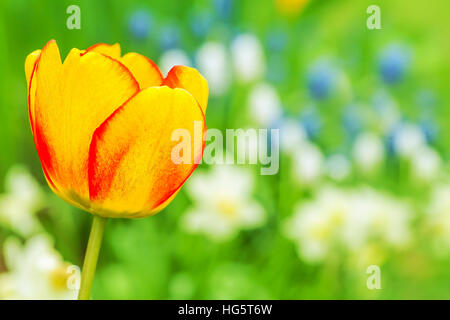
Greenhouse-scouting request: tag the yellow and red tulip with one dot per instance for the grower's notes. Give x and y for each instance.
(102, 126)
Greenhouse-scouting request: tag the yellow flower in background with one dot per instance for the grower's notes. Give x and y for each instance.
(102, 125)
(291, 7)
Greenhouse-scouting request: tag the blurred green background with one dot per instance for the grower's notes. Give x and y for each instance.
(364, 164)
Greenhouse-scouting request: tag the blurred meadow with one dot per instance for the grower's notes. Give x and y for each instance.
(364, 173)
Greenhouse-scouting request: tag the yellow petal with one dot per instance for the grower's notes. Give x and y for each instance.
(72, 100)
(131, 172)
(30, 63)
(112, 51)
(191, 80)
(144, 70)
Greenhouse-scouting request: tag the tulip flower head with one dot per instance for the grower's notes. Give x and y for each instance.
(102, 125)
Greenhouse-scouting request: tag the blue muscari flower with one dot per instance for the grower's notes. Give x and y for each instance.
(383, 104)
(393, 63)
(429, 129)
(201, 22)
(140, 23)
(223, 8)
(169, 37)
(389, 140)
(311, 122)
(352, 120)
(321, 80)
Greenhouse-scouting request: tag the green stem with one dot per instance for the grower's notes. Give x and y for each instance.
(91, 257)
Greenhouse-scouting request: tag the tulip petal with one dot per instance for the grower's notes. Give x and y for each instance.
(191, 80)
(72, 100)
(131, 172)
(143, 69)
(112, 51)
(30, 63)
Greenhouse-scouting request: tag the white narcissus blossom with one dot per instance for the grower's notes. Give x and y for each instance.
(173, 57)
(248, 58)
(368, 152)
(310, 232)
(315, 224)
(379, 217)
(212, 62)
(308, 164)
(407, 139)
(425, 164)
(222, 203)
(23, 197)
(348, 219)
(438, 218)
(36, 271)
(264, 105)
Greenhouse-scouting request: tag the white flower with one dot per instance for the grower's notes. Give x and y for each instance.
(292, 135)
(338, 167)
(308, 164)
(35, 271)
(223, 203)
(425, 164)
(351, 220)
(264, 105)
(316, 223)
(173, 57)
(438, 219)
(407, 139)
(310, 232)
(368, 152)
(379, 217)
(23, 197)
(212, 62)
(248, 58)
